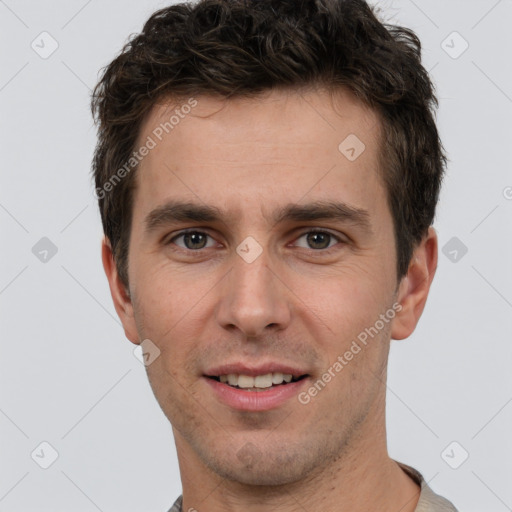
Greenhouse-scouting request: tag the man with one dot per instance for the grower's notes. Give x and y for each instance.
(267, 175)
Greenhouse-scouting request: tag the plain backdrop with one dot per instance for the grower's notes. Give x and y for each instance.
(68, 376)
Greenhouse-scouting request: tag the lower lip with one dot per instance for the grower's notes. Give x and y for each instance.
(255, 400)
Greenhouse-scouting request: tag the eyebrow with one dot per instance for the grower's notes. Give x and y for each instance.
(177, 211)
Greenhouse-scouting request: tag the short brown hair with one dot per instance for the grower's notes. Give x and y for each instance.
(237, 48)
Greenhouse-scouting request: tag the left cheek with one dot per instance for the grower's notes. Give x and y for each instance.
(350, 304)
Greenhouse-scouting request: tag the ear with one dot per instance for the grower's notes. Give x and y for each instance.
(120, 296)
(415, 285)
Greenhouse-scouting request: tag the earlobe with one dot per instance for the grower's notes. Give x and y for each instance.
(120, 296)
(415, 286)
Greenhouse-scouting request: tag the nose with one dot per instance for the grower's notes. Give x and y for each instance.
(254, 299)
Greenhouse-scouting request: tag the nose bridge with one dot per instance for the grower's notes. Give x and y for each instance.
(253, 298)
(252, 279)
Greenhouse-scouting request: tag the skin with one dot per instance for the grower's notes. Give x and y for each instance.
(294, 304)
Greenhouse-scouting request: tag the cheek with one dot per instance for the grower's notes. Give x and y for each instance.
(172, 311)
(346, 303)
(347, 317)
(168, 299)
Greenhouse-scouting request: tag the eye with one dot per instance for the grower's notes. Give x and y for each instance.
(317, 240)
(193, 240)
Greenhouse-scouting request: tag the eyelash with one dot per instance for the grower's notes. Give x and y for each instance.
(303, 234)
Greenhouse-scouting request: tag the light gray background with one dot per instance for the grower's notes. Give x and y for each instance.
(69, 376)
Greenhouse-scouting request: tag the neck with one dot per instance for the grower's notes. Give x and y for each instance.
(360, 479)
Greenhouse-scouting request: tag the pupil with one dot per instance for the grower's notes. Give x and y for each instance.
(318, 240)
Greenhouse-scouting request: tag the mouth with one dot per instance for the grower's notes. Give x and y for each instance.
(257, 383)
(256, 389)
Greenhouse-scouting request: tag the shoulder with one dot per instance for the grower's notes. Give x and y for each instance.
(429, 501)
(177, 505)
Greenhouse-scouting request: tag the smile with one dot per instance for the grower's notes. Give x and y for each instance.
(257, 383)
(258, 392)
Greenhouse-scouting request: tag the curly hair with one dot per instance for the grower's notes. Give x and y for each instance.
(237, 48)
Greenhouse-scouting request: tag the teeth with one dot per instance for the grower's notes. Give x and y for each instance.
(260, 381)
(244, 381)
(277, 378)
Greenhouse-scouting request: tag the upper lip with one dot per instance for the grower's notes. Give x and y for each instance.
(254, 370)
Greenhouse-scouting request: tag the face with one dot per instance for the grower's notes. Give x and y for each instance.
(261, 250)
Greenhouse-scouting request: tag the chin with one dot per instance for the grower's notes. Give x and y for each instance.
(252, 467)
(264, 476)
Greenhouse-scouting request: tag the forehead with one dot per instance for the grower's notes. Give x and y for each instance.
(295, 142)
(299, 115)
